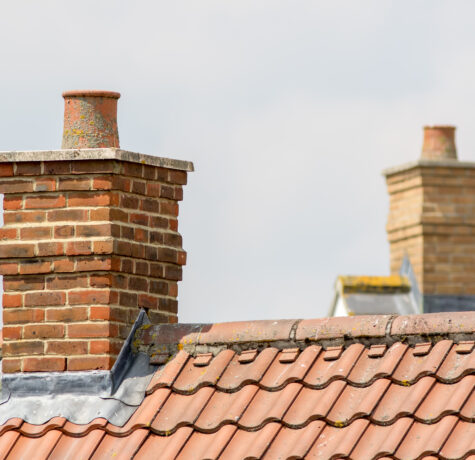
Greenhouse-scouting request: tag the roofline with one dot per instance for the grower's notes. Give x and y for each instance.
(161, 341)
(428, 163)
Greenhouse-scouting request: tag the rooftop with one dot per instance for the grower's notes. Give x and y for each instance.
(358, 387)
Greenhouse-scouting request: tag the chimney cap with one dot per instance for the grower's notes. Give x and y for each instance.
(91, 93)
(439, 143)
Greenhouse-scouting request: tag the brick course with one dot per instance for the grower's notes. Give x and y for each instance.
(85, 245)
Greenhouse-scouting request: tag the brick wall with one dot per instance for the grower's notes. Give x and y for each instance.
(85, 244)
(432, 220)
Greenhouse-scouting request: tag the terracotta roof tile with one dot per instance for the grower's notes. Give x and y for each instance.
(250, 444)
(7, 441)
(282, 373)
(181, 410)
(192, 377)
(461, 441)
(456, 365)
(238, 373)
(356, 402)
(120, 448)
(225, 408)
(413, 366)
(368, 368)
(312, 404)
(334, 442)
(400, 401)
(201, 445)
(292, 444)
(168, 446)
(423, 439)
(357, 395)
(323, 371)
(381, 440)
(75, 448)
(269, 405)
(445, 399)
(37, 448)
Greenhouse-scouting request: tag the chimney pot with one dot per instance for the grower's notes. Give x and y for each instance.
(439, 143)
(90, 119)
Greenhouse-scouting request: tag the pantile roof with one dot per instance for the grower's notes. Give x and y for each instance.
(359, 388)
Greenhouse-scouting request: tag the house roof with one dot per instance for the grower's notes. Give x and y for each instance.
(367, 295)
(360, 387)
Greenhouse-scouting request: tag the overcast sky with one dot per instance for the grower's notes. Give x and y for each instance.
(289, 111)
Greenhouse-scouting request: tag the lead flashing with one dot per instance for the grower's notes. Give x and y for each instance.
(428, 164)
(94, 154)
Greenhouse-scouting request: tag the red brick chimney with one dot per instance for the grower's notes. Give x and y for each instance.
(90, 236)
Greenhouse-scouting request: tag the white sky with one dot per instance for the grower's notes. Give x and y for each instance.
(289, 111)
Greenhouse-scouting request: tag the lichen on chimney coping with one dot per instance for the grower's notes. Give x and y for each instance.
(94, 154)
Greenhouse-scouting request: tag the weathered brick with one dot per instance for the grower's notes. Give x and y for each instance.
(64, 231)
(22, 316)
(78, 248)
(89, 199)
(67, 215)
(12, 300)
(95, 329)
(44, 298)
(50, 249)
(23, 283)
(80, 363)
(65, 282)
(9, 268)
(100, 347)
(6, 169)
(67, 314)
(34, 266)
(43, 331)
(44, 364)
(11, 332)
(36, 233)
(88, 297)
(74, 183)
(71, 347)
(11, 365)
(45, 184)
(12, 203)
(45, 202)
(30, 168)
(23, 347)
(89, 230)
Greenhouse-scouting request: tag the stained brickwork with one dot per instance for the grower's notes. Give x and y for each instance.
(85, 244)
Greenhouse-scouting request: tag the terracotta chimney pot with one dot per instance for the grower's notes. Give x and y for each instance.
(90, 119)
(439, 143)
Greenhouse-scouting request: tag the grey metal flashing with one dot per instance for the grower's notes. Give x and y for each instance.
(428, 163)
(94, 154)
(80, 396)
(436, 303)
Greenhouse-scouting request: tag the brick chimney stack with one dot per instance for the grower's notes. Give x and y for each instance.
(90, 236)
(432, 222)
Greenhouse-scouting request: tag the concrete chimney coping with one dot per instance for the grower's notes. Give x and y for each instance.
(94, 154)
(428, 163)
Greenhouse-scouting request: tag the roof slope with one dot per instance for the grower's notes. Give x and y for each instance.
(359, 388)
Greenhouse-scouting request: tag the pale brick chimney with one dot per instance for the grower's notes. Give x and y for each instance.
(432, 222)
(90, 236)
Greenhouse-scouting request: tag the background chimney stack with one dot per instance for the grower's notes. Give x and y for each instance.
(90, 237)
(431, 222)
